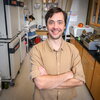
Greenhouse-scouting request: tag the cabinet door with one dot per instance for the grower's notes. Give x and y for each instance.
(95, 13)
(88, 67)
(79, 47)
(95, 88)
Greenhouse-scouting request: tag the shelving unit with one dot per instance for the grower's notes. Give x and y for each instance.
(45, 7)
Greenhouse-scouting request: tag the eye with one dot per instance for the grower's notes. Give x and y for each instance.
(60, 22)
(51, 22)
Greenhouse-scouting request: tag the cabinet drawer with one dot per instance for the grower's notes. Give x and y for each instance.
(95, 88)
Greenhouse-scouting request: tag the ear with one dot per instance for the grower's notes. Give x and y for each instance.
(65, 27)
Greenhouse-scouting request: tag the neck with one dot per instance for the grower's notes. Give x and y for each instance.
(55, 43)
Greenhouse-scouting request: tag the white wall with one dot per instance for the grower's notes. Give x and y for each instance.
(78, 15)
(60, 3)
(80, 8)
(64, 2)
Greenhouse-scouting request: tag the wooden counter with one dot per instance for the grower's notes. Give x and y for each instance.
(41, 32)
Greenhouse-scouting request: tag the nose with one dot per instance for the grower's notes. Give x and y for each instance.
(55, 25)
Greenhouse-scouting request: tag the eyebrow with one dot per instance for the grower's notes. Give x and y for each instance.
(54, 21)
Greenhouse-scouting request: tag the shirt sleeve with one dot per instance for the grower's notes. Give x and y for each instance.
(77, 67)
(35, 61)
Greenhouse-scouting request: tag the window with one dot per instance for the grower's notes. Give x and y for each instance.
(95, 14)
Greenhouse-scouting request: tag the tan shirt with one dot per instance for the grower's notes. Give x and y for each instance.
(66, 59)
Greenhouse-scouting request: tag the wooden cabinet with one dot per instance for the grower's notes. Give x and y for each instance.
(88, 67)
(72, 40)
(49, 1)
(91, 69)
(95, 13)
(95, 88)
(79, 47)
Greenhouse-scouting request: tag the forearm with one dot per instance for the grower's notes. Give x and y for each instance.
(70, 83)
(50, 81)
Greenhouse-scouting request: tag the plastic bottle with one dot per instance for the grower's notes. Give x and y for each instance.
(79, 39)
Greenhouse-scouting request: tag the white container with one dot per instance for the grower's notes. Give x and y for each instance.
(9, 59)
(8, 20)
(77, 31)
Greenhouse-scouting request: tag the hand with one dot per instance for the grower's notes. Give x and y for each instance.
(69, 75)
(42, 71)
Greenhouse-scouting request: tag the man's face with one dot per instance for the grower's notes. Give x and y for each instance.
(56, 25)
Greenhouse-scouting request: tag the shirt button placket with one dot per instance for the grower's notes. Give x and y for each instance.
(58, 95)
(58, 64)
(58, 70)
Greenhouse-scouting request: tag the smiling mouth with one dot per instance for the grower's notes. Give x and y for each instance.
(55, 31)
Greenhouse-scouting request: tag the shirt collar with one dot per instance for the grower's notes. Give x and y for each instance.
(50, 47)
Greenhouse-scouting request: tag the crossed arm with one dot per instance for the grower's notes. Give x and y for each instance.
(65, 80)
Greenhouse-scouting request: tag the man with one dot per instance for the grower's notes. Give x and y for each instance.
(56, 65)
